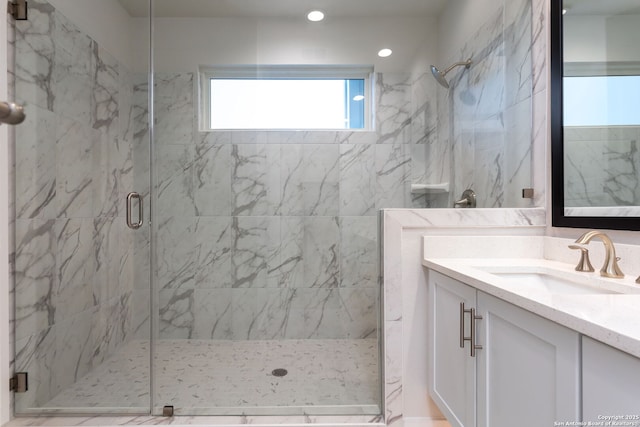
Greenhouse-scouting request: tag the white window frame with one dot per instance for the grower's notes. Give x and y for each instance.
(206, 73)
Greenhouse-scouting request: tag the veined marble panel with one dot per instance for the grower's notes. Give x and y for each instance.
(35, 276)
(517, 52)
(212, 179)
(174, 108)
(357, 180)
(75, 145)
(34, 67)
(359, 252)
(35, 169)
(393, 108)
(73, 77)
(309, 180)
(256, 187)
(393, 175)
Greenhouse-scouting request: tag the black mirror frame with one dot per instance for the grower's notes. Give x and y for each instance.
(558, 218)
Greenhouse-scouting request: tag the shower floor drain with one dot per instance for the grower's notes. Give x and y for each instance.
(279, 372)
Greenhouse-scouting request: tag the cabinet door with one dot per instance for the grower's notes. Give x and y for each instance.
(528, 368)
(610, 383)
(452, 376)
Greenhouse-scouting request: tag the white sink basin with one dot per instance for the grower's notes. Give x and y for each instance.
(549, 282)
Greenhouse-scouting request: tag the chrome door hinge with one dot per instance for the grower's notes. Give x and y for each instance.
(18, 9)
(19, 383)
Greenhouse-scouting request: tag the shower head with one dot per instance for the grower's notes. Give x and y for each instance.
(440, 75)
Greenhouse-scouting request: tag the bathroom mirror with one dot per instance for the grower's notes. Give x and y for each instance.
(595, 114)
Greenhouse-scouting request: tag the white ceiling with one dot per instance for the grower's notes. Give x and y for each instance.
(283, 8)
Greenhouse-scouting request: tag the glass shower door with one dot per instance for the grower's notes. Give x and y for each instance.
(81, 279)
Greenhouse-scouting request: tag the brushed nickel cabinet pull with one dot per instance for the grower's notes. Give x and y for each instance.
(474, 346)
(462, 312)
(472, 337)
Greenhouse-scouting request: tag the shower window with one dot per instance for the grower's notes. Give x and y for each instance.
(286, 98)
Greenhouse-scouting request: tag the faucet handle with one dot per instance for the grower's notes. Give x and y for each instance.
(584, 264)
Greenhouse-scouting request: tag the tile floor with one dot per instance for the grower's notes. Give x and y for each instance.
(235, 378)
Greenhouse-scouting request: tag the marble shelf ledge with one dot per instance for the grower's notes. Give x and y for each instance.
(439, 188)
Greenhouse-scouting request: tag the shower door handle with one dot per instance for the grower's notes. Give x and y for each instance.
(130, 223)
(11, 114)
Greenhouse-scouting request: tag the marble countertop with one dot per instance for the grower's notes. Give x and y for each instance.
(613, 319)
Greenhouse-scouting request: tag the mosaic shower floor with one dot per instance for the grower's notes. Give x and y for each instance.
(235, 377)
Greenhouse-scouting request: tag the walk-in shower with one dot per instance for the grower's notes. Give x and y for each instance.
(256, 253)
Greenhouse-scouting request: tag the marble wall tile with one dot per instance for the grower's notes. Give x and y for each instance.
(111, 162)
(260, 313)
(393, 108)
(174, 108)
(175, 188)
(73, 350)
(392, 163)
(255, 179)
(584, 183)
(321, 243)
(518, 156)
(357, 180)
(35, 276)
(309, 180)
(105, 111)
(35, 169)
(517, 51)
(35, 354)
(591, 154)
(287, 270)
(489, 163)
(214, 137)
(176, 313)
(176, 253)
(75, 145)
(72, 72)
(140, 314)
(487, 116)
(212, 179)
(75, 267)
(212, 243)
(34, 65)
(213, 314)
(360, 314)
(314, 314)
(359, 253)
(110, 327)
(622, 160)
(255, 252)
(424, 114)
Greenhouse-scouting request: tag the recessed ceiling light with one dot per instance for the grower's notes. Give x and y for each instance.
(315, 16)
(383, 53)
(358, 97)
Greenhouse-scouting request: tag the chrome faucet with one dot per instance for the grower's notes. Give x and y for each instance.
(610, 267)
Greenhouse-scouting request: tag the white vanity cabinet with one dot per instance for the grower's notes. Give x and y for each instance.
(452, 373)
(526, 372)
(610, 383)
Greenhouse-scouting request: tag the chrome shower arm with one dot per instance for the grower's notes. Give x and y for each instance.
(466, 64)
